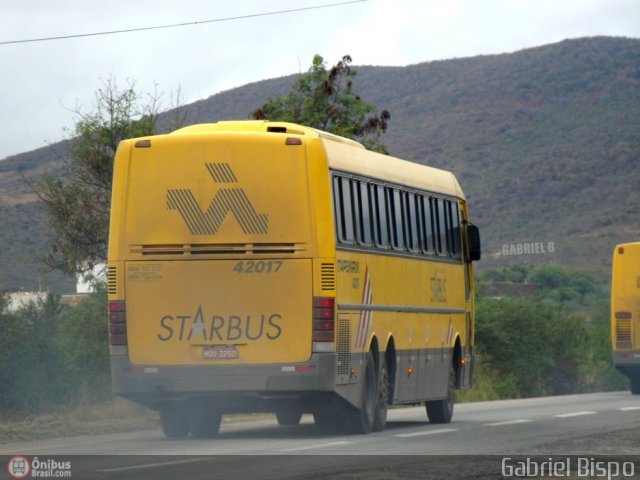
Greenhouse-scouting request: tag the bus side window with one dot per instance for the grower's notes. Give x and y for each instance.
(337, 208)
(456, 232)
(435, 221)
(363, 206)
(380, 215)
(426, 226)
(443, 229)
(411, 216)
(397, 224)
(343, 205)
(386, 216)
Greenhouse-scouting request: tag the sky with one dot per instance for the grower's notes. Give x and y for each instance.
(44, 82)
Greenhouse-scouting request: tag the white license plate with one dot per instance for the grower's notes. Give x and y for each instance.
(220, 352)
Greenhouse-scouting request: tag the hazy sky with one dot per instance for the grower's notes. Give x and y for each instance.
(43, 81)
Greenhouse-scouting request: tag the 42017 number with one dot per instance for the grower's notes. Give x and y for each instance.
(250, 266)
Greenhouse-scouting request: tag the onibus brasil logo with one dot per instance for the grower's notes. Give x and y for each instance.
(21, 467)
(232, 199)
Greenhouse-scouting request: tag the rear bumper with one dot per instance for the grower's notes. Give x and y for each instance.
(629, 358)
(316, 375)
(628, 363)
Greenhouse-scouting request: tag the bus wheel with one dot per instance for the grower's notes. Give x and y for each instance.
(329, 420)
(205, 423)
(441, 411)
(174, 421)
(380, 417)
(361, 420)
(287, 417)
(635, 384)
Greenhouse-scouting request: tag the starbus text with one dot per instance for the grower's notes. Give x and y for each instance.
(220, 327)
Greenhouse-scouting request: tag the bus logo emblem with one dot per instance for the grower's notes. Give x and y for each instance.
(227, 199)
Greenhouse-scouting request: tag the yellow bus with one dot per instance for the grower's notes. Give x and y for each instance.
(269, 267)
(625, 312)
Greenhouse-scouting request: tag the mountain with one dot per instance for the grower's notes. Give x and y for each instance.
(545, 142)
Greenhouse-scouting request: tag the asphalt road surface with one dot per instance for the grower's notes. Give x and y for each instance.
(575, 431)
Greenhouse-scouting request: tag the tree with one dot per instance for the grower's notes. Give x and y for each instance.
(532, 346)
(77, 202)
(324, 99)
(30, 370)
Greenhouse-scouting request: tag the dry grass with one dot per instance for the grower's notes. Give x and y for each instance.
(118, 415)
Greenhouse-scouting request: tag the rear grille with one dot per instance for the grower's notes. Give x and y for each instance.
(112, 280)
(216, 249)
(327, 277)
(623, 334)
(343, 347)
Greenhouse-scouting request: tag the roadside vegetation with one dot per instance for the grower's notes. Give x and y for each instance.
(542, 331)
(54, 372)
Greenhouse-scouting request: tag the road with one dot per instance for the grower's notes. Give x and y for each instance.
(602, 424)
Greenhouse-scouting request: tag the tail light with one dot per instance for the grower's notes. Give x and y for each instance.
(117, 323)
(624, 330)
(324, 311)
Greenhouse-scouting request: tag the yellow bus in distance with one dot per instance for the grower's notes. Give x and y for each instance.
(625, 312)
(269, 267)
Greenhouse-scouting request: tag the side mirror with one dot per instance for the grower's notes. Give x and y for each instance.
(473, 241)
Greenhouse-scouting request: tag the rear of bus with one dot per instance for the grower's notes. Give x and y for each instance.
(625, 312)
(217, 283)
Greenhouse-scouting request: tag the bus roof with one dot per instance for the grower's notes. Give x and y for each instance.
(390, 169)
(629, 244)
(346, 155)
(264, 126)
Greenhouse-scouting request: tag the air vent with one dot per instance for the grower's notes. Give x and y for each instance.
(216, 249)
(343, 347)
(112, 279)
(327, 276)
(623, 334)
(282, 129)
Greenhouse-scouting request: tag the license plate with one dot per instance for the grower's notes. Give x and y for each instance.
(220, 352)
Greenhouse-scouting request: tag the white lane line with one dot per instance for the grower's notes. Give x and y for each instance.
(154, 465)
(314, 447)
(425, 432)
(507, 422)
(575, 414)
(629, 409)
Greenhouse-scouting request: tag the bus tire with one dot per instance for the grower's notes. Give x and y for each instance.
(174, 421)
(205, 424)
(634, 384)
(441, 411)
(382, 405)
(361, 420)
(287, 417)
(329, 420)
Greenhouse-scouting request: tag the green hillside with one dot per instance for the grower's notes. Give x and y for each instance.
(545, 142)
(23, 231)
